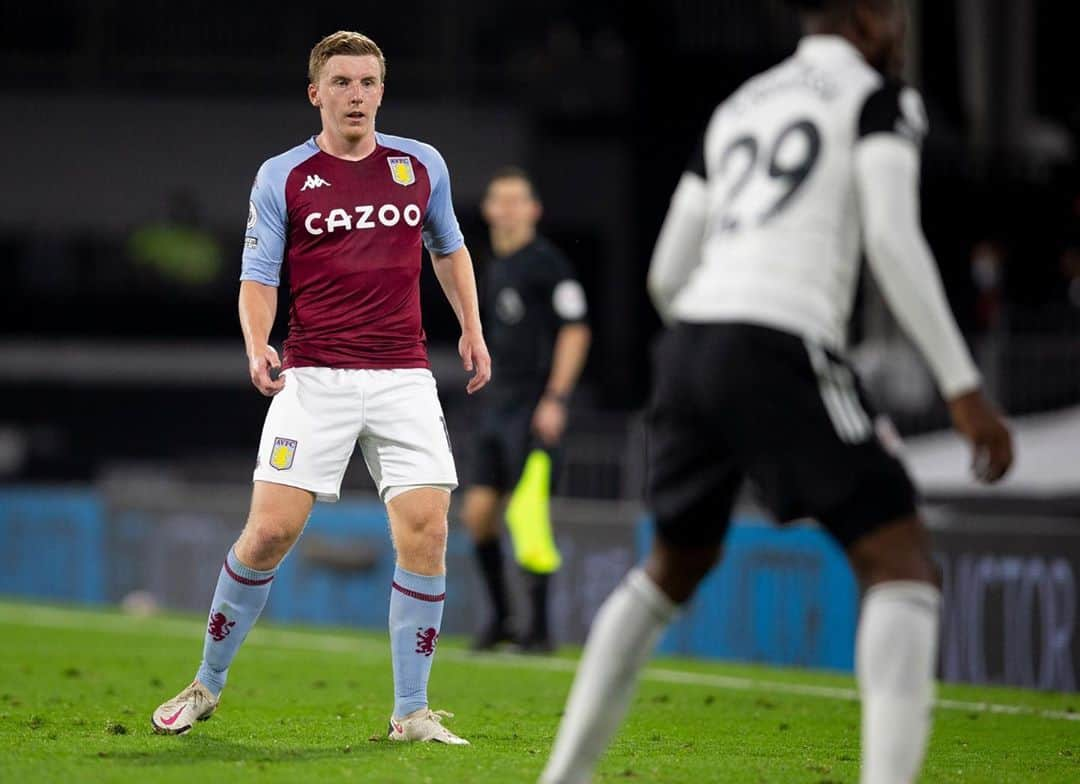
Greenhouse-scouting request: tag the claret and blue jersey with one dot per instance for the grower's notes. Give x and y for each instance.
(351, 232)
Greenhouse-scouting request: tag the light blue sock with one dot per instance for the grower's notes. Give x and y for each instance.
(238, 599)
(416, 607)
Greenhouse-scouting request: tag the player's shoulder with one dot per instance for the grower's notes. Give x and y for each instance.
(742, 96)
(276, 169)
(426, 153)
(817, 73)
(879, 103)
(823, 69)
(892, 106)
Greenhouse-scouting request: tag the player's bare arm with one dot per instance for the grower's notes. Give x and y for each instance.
(571, 349)
(458, 281)
(258, 306)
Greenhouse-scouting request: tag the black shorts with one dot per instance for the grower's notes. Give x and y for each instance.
(736, 400)
(501, 444)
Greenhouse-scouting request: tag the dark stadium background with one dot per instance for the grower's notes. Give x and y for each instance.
(131, 132)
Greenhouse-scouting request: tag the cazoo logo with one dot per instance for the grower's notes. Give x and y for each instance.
(366, 216)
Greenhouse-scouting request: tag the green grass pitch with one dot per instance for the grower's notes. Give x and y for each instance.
(77, 688)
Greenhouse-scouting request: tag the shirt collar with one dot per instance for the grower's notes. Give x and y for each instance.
(827, 47)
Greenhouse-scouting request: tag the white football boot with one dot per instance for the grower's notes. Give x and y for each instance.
(425, 726)
(178, 715)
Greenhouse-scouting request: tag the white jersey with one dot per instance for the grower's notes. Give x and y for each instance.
(802, 167)
(782, 241)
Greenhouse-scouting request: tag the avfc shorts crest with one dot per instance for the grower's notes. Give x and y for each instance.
(281, 457)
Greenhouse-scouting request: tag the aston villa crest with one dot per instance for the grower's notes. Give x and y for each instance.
(281, 456)
(401, 170)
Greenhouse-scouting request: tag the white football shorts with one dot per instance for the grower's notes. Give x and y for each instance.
(322, 413)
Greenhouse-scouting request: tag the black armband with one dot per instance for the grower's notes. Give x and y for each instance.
(697, 160)
(894, 108)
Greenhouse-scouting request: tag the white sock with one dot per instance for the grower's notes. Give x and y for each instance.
(622, 638)
(895, 656)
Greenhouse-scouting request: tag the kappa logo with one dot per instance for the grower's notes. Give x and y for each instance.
(401, 170)
(219, 626)
(426, 640)
(314, 181)
(281, 456)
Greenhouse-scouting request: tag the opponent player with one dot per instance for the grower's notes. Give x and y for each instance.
(534, 314)
(756, 264)
(348, 209)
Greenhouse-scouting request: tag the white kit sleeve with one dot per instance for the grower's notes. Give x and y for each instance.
(887, 181)
(678, 248)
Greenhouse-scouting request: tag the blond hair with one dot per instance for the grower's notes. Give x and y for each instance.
(343, 42)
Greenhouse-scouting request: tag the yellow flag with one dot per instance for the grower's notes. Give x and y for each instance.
(528, 516)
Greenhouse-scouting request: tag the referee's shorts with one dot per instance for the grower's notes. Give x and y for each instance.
(502, 443)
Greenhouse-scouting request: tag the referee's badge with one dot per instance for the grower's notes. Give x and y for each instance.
(401, 170)
(281, 456)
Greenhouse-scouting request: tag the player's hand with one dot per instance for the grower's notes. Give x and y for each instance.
(549, 420)
(982, 425)
(259, 365)
(475, 359)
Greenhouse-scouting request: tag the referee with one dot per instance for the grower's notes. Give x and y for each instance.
(534, 318)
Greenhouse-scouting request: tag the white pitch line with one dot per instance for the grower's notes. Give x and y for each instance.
(57, 618)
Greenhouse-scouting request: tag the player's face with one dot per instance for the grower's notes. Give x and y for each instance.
(510, 206)
(348, 95)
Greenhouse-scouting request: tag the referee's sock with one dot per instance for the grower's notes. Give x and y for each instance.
(239, 598)
(623, 635)
(490, 558)
(538, 587)
(895, 654)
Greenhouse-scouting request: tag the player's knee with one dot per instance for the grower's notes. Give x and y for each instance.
(678, 571)
(478, 521)
(915, 570)
(424, 535)
(895, 552)
(480, 515)
(276, 539)
(696, 564)
(268, 539)
(434, 535)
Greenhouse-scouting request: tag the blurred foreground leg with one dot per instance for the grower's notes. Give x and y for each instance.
(895, 653)
(621, 641)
